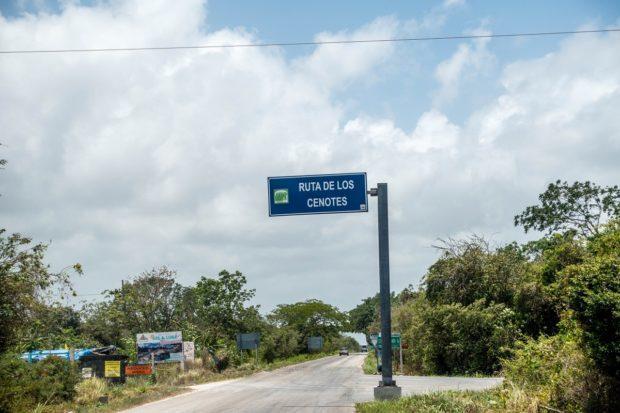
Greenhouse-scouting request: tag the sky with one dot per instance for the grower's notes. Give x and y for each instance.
(126, 161)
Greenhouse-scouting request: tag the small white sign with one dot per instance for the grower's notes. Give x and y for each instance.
(188, 350)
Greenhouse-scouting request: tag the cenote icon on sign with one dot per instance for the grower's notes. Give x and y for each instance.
(280, 196)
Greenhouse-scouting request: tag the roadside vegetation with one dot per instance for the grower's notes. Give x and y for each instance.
(168, 381)
(544, 314)
(370, 363)
(210, 314)
(34, 316)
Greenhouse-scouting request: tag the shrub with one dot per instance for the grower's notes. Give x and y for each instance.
(457, 339)
(555, 371)
(14, 372)
(469, 271)
(594, 296)
(23, 385)
(279, 343)
(54, 380)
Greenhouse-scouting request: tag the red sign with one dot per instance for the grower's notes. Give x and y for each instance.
(405, 345)
(138, 370)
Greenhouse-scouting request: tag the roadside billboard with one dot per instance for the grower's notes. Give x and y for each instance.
(248, 341)
(315, 343)
(165, 347)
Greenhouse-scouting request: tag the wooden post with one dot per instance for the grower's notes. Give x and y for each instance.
(183, 357)
(153, 375)
(402, 371)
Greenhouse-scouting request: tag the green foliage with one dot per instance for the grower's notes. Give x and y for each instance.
(550, 366)
(56, 326)
(24, 278)
(370, 363)
(469, 271)
(89, 391)
(149, 302)
(309, 318)
(555, 371)
(24, 385)
(14, 372)
(456, 339)
(593, 289)
(279, 343)
(220, 306)
(336, 343)
(581, 206)
(443, 402)
(362, 316)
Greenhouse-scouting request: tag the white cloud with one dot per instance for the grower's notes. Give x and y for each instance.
(467, 60)
(453, 3)
(337, 65)
(130, 160)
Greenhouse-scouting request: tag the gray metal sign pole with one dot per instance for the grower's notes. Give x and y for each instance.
(384, 285)
(387, 387)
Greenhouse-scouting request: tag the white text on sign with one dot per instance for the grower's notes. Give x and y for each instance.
(326, 185)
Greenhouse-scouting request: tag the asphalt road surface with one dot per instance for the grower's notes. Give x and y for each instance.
(331, 384)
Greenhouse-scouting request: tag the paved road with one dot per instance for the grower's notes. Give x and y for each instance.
(331, 384)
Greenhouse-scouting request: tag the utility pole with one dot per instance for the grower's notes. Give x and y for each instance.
(387, 388)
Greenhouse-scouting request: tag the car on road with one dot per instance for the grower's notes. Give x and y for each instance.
(344, 351)
(364, 348)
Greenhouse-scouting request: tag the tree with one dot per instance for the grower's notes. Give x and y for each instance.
(310, 318)
(582, 207)
(220, 305)
(279, 343)
(147, 303)
(364, 314)
(469, 270)
(24, 279)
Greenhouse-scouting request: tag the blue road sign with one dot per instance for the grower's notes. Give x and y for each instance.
(317, 194)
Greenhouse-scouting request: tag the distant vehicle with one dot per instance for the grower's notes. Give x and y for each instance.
(344, 351)
(364, 348)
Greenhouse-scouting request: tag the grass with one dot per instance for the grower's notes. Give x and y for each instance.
(506, 399)
(170, 381)
(370, 363)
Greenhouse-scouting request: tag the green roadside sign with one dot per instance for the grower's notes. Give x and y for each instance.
(395, 341)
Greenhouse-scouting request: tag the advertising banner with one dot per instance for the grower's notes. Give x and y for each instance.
(165, 347)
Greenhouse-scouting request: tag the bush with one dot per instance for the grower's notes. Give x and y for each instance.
(469, 271)
(14, 372)
(279, 343)
(594, 296)
(555, 371)
(456, 339)
(24, 385)
(55, 380)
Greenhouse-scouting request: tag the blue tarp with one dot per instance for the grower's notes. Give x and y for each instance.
(38, 355)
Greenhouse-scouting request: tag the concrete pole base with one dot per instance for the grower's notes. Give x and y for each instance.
(387, 392)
